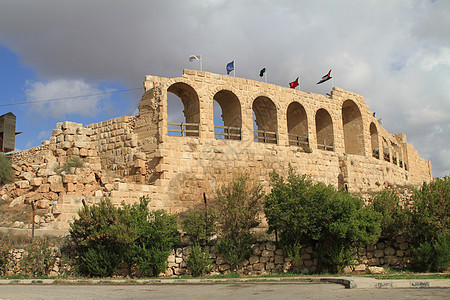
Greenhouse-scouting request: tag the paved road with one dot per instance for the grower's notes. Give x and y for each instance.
(232, 291)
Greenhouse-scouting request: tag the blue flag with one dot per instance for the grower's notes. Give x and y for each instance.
(230, 67)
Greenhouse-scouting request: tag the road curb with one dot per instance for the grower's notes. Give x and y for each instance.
(347, 282)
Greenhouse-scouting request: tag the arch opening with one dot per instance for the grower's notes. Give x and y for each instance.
(297, 123)
(227, 116)
(324, 130)
(264, 120)
(187, 121)
(353, 128)
(374, 141)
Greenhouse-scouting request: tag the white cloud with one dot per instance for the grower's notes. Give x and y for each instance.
(395, 53)
(59, 98)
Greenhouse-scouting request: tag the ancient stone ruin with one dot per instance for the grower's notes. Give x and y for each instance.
(336, 139)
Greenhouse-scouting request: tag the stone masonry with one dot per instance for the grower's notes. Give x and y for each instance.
(266, 127)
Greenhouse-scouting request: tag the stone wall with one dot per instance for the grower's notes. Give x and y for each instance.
(266, 258)
(337, 140)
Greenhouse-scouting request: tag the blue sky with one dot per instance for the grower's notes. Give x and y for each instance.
(394, 53)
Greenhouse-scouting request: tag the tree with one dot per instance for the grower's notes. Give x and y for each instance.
(430, 225)
(237, 211)
(393, 215)
(6, 172)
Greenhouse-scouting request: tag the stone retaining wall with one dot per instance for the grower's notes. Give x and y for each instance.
(267, 258)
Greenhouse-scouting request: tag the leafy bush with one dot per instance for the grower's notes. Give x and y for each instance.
(152, 236)
(6, 172)
(237, 211)
(393, 216)
(199, 261)
(106, 236)
(307, 213)
(430, 225)
(434, 255)
(199, 225)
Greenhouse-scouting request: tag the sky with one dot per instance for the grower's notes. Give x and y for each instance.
(90, 57)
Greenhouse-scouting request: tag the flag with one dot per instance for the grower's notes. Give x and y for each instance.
(325, 78)
(374, 114)
(194, 57)
(230, 67)
(261, 73)
(294, 84)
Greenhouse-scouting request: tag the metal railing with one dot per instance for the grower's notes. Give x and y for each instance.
(324, 146)
(263, 136)
(298, 140)
(186, 129)
(376, 153)
(228, 132)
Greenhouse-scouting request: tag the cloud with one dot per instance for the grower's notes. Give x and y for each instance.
(394, 53)
(53, 98)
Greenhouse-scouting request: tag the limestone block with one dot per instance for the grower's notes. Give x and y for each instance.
(253, 259)
(389, 251)
(266, 253)
(403, 246)
(279, 259)
(378, 253)
(391, 260)
(83, 152)
(43, 204)
(69, 178)
(374, 261)
(264, 259)
(271, 247)
(16, 201)
(258, 266)
(26, 176)
(43, 188)
(224, 267)
(360, 268)
(22, 184)
(376, 270)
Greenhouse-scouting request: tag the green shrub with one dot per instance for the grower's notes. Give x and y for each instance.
(106, 236)
(393, 216)
(199, 261)
(199, 226)
(237, 211)
(433, 256)
(99, 261)
(153, 235)
(430, 225)
(307, 213)
(6, 172)
(98, 238)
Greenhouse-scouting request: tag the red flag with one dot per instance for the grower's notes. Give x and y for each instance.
(294, 84)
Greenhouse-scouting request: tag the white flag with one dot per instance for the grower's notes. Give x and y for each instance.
(194, 57)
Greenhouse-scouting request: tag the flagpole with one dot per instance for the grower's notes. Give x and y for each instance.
(265, 75)
(234, 70)
(201, 67)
